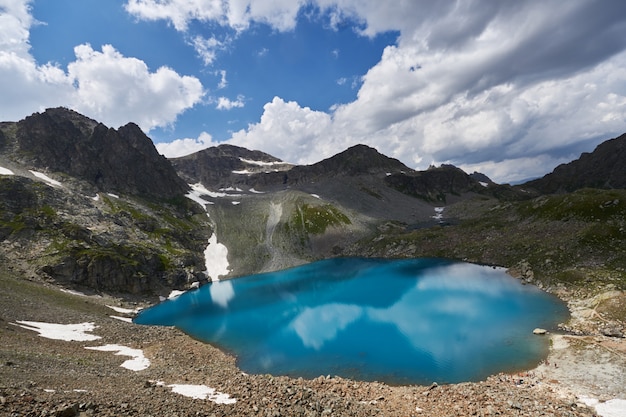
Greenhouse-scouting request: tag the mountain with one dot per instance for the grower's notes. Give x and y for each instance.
(94, 207)
(603, 168)
(435, 184)
(119, 161)
(220, 165)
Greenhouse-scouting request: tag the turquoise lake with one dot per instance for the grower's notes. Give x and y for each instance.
(411, 321)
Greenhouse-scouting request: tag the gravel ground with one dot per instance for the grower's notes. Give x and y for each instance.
(45, 377)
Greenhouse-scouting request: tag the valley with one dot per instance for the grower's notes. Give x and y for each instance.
(97, 211)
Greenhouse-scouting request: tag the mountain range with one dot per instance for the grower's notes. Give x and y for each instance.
(97, 208)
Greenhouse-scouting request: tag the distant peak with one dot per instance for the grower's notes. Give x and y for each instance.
(361, 159)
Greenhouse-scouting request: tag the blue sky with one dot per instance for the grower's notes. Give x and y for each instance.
(313, 63)
(510, 89)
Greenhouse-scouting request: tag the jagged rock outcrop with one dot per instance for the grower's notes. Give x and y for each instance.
(120, 161)
(605, 168)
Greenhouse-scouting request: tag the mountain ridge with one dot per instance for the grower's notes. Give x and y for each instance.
(121, 161)
(604, 168)
(269, 214)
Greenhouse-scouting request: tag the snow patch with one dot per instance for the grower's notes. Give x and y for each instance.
(73, 292)
(253, 191)
(113, 195)
(438, 213)
(196, 193)
(611, 408)
(126, 319)
(125, 310)
(138, 362)
(46, 178)
(6, 171)
(260, 163)
(242, 172)
(216, 257)
(215, 254)
(235, 203)
(484, 184)
(67, 332)
(202, 392)
(175, 294)
(316, 196)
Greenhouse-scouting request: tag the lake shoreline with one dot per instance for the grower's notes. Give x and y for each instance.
(45, 376)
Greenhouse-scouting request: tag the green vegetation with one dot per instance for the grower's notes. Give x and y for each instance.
(576, 239)
(585, 204)
(316, 219)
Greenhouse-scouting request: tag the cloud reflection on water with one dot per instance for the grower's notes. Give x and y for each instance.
(315, 326)
(222, 292)
(408, 320)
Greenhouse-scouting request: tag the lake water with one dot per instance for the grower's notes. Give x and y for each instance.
(409, 321)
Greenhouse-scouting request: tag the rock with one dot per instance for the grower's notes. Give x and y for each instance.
(612, 330)
(540, 331)
(67, 411)
(123, 160)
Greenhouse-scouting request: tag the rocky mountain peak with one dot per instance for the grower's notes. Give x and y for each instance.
(123, 160)
(360, 159)
(221, 165)
(605, 168)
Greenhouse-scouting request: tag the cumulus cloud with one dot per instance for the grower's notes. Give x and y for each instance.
(182, 147)
(25, 85)
(237, 14)
(497, 87)
(102, 84)
(117, 89)
(289, 131)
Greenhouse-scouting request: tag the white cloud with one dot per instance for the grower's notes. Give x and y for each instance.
(223, 82)
(207, 48)
(182, 147)
(508, 132)
(26, 86)
(297, 134)
(237, 14)
(178, 12)
(15, 22)
(479, 84)
(224, 103)
(116, 90)
(105, 85)
(497, 88)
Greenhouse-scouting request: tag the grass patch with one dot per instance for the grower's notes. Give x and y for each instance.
(316, 219)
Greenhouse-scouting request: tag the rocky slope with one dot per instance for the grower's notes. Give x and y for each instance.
(96, 208)
(602, 168)
(118, 161)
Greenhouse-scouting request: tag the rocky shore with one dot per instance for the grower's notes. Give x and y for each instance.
(47, 377)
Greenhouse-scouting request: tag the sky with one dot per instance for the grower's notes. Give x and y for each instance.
(510, 89)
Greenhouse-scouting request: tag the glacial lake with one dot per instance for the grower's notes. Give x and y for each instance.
(412, 321)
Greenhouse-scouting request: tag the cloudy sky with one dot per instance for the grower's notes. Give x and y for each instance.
(510, 89)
